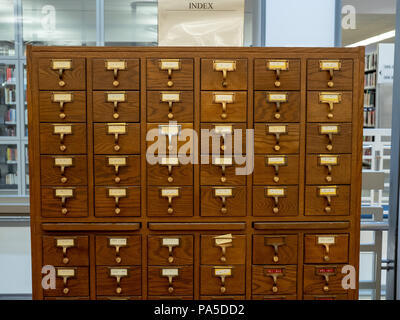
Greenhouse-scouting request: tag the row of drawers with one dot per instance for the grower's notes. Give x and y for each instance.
(268, 201)
(216, 74)
(178, 105)
(124, 138)
(176, 250)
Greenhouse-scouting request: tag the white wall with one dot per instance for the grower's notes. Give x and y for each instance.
(300, 23)
(15, 260)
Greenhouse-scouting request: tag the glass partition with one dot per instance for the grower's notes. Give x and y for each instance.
(7, 27)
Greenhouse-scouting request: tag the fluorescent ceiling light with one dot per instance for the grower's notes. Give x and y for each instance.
(378, 38)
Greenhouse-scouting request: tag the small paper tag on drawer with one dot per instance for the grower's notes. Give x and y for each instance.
(277, 97)
(224, 97)
(63, 162)
(170, 192)
(275, 271)
(170, 96)
(325, 270)
(220, 65)
(170, 242)
(117, 192)
(328, 129)
(113, 128)
(329, 64)
(277, 64)
(275, 192)
(64, 193)
(117, 242)
(117, 161)
(61, 64)
(225, 192)
(170, 272)
(326, 239)
(61, 97)
(169, 161)
(276, 161)
(65, 272)
(328, 160)
(118, 96)
(222, 272)
(276, 129)
(223, 239)
(170, 64)
(118, 272)
(170, 130)
(65, 129)
(65, 243)
(328, 191)
(223, 161)
(326, 97)
(116, 64)
(223, 130)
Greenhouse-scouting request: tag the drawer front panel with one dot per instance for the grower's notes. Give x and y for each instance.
(318, 79)
(73, 141)
(62, 106)
(167, 174)
(223, 201)
(279, 170)
(223, 249)
(126, 76)
(267, 143)
(63, 170)
(117, 172)
(181, 79)
(213, 174)
(329, 106)
(275, 249)
(70, 250)
(181, 202)
(181, 281)
(214, 111)
(318, 142)
(170, 250)
(119, 250)
(328, 169)
(116, 106)
(318, 205)
(212, 79)
(212, 284)
(267, 206)
(124, 143)
(266, 78)
(224, 135)
(76, 285)
(315, 281)
(107, 285)
(175, 107)
(272, 280)
(326, 248)
(276, 106)
(75, 206)
(117, 202)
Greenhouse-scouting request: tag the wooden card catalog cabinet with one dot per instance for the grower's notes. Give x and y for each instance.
(195, 173)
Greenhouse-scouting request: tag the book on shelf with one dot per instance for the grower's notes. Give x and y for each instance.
(369, 98)
(11, 178)
(10, 116)
(370, 61)
(11, 154)
(369, 117)
(7, 51)
(370, 80)
(10, 75)
(9, 96)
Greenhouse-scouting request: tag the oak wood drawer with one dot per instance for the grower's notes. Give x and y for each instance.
(75, 202)
(320, 79)
(163, 106)
(326, 248)
(63, 170)
(115, 74)
(220, 173)
(76, 283)
(117, 201)
(66, 250)
(170, 172)
(276, 138)
(327, 200)
(274, 280)
(180, 78)
(169, 201)
(212, 284)
(170, 281)
(220, 106)
(223, 249)
(323, 279)
(277, 106)
(63, 138)
(329, 138)
(62, 106)
(170, 250)
(108, 142)
(224, 134)
(275, 201)
(130, 283)
(223, 201)
(212, 74)
(329, 106)
(275, 249)
(62, 74)
(117, 170)
(266, 74)
(328, 168)
(276, 169)
(120, 250)
(116, 106)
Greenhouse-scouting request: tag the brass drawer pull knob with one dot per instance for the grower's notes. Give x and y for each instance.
(277, 131)
(117, 194)
(223, 241)
(66, 274)
(170, 98)
(223, 99)
(115, 66)
(325, 272)
(326, 242)
(330, 98)
(329, 131)
(65, 244)
(63, 163)
(222, 273)
(170, 273)
(117, 243)
(328, 192)
(223, 162)
(62, 131)
(170, 243)
(62, 98)
(328, 161)
(61, 65)
(274, 273)
(275, 193)
(170, 194)
(277, 66)
(118, 274)
(64, 194)
(223, 194)
(276, 162)
(278, 98)
(330, 66)
(224, 66)
(170, 162)
(275, 242)
(170, 65)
